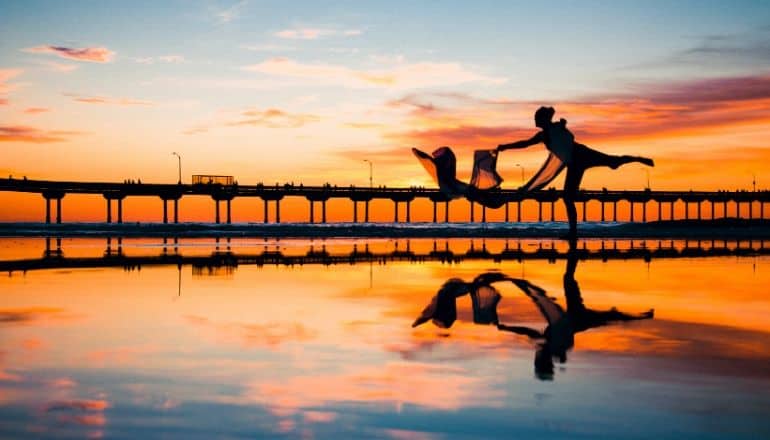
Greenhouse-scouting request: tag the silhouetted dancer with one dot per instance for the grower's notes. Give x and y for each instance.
(565, 152)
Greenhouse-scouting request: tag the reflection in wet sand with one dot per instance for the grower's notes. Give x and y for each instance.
(559, 335)
(277, 350)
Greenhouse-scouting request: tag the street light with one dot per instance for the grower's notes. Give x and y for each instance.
(180, 166)
(648, 178)
(754, 181)
(370, 172)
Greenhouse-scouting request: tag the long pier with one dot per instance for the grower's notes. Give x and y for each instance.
(115, 193)
(113, 256)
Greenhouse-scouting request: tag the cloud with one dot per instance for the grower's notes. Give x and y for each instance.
(89, 54)
(169, 59)
(105, 100)
(401, 75)
(315, 33)
(5, 75)
(59, 67)
(229, 14)
(644, 110)
(35, 110)
(274, 118)
(23, 133)
(26, 315)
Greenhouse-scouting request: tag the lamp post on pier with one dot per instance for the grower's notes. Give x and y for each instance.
(180, 166)
(522, 173)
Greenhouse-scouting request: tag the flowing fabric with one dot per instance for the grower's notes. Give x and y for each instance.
(549, 171)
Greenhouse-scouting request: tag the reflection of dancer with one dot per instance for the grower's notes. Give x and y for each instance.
(558, 336)
(566, 152)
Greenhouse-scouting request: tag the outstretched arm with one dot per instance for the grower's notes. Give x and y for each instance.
(536, 139)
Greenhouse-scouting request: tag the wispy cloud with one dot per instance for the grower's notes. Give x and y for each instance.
(273, 118)
(5, 76)
(89, 54)
(59, 67)
(106, 100)
(23, 133)
(35, 110)
(170, 59)
(403, 75)
(311, 33)
(231, 13)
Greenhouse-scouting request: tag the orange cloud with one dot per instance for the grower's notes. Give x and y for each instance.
(89, 54)
(35, 110)
(23, 133)
(108, 100)
(274, 118)
(5, 75)
(27, 315)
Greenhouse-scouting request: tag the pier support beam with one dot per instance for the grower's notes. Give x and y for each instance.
(614, 210)
(216, 211)
(687, 210)
(229, 218)
(712, 209)
(751, 209)
(446, 212)
(435, 209)
(176, 210)
(264, 205)
(58, 210)
(47, 210)
(644, 212)
(323, 211)
(109, 211)
(355, 211)
(165, 210)
(311, 216)
(724, 208)
(553, 210)
(631, 214)
(506, 212)
(278, 211)
(408, 212)
(518, 211)
(539, 211)
(602, 203)
(366, 211)
(672, 209)
(660, 210)
(120, 211)
(699, 203)
(483, 214)
(472, 217)
(585, 204)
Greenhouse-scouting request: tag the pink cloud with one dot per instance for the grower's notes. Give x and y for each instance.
(315, 33)
(89, 54)
(23, 133)
(5, 75)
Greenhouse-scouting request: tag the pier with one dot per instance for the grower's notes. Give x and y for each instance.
(709, 204)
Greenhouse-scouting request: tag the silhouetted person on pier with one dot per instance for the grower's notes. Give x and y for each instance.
(565, 152)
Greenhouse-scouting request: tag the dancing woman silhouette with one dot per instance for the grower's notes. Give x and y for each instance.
(565, 152)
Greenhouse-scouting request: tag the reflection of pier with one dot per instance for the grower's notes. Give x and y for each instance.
(113, 256)
(709, 204)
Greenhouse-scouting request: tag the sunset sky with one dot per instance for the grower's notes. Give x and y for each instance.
(305, 91)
